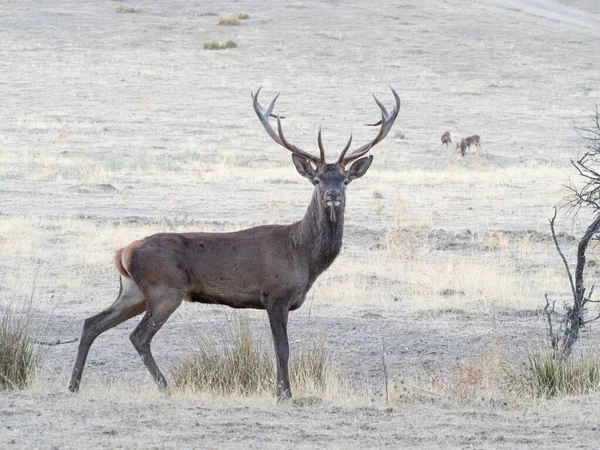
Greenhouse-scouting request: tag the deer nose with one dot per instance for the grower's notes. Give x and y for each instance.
(333, 197)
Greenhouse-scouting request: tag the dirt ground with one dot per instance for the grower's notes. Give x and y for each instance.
(114, 125)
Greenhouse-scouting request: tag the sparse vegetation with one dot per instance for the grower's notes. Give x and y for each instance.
(19, 355)
(244, 365)
(214, 45)
(482, 379)
(241, 16)
(123, 8)
(240, 365)
(208, 14)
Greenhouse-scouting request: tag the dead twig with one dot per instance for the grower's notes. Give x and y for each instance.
(55, 342)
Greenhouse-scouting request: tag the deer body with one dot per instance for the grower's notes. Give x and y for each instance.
(194, 262)
(269, 267)
(446, 139)
(467, 142)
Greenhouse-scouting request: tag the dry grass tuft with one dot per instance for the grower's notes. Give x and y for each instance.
(401, 244)
(214, 45)
(491, 379)
(243, 365)
(549, 377)
(19, 355)
(241, 16)
(481, 380)
(122, 8)
(231, 20)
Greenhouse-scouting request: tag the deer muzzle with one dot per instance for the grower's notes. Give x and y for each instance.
(333, 199)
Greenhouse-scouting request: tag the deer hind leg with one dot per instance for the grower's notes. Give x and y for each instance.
(129, 303)
(160, 308)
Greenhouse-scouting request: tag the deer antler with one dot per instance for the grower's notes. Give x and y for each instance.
(277, 136)
(386, 122)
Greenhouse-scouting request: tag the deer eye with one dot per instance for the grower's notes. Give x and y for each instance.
(315, 181)
(346, 181)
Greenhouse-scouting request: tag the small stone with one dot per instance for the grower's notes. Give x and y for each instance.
(377, 194)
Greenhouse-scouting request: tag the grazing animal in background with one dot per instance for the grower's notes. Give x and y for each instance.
(269, 267)
(466, 144)
(446, 139)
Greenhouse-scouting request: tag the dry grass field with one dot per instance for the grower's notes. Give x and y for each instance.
(116, 122)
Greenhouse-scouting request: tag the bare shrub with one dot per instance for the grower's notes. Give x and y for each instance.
(19, 354)
(483, 379)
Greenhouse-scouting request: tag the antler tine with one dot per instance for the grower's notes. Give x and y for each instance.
(386, 122)
(341, 158)
(384, 113)
(321, 149)
(277, 136)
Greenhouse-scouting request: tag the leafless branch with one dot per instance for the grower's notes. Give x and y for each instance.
(558, 249)
(548, 311)
(591, 320)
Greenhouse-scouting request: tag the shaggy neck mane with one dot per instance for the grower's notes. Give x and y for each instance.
(320, 237)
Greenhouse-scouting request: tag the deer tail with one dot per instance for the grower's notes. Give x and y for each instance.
(119, 263)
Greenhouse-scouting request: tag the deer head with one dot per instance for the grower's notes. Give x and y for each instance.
(330, 179)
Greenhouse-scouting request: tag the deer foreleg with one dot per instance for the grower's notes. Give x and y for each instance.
(278, 317)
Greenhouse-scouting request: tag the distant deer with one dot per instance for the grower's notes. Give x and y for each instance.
(466, 144)
(446, 139)
(269, 267)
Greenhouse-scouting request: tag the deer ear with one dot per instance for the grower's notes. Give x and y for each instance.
(304, 167)
(359, 168)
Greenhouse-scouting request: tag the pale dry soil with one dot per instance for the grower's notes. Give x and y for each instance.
(117, 125)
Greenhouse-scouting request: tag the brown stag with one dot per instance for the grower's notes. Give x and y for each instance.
(467, 142)
(446, 139)
(269, 267)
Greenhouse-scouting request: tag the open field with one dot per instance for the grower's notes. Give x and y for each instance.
(116, 123)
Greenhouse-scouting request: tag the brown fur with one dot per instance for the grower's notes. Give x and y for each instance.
(467, 142)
